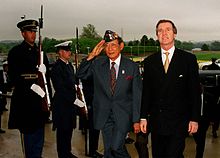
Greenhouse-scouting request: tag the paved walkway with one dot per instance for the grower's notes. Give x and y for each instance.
(10, 144)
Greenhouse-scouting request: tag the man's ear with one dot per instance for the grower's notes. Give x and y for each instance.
(122, 45)
(22, 33)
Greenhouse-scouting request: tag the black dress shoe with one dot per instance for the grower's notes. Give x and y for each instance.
(214, 134)
(5, 109)
(49, 121)
(2, 131)
(73, 156)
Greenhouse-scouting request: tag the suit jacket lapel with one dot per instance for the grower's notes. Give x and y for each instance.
(159, 64)
(119, 78)
(172, 70)
(106, 75)
(172, 65)
(123, 68)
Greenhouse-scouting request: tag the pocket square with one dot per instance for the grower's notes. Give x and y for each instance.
(180, 76)
(128, 77)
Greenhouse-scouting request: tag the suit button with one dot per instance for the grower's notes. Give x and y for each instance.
(160, 110)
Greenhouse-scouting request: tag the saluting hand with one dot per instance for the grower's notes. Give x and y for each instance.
(97, 50)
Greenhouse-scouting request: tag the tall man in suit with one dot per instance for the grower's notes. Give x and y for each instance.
(171, 95)
(117, 96)
(63, 108)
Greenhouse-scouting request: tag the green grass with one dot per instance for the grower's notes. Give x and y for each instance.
(202, 56)
(207, 55)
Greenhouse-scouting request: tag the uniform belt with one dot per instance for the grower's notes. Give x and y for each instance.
(29, 76)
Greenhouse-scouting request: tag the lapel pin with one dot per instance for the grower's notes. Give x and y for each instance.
(123, 72)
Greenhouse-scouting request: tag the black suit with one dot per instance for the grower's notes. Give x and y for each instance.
(63, 109)
(171, 99)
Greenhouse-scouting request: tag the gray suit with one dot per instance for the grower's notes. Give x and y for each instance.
(121, 109)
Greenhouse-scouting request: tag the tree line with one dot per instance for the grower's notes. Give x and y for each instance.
(89, 38)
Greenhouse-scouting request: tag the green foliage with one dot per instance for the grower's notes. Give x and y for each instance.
(90, 32)
(205, 47)
(139, 50)
(87, 44)
(6, 46)
(48, 45)
(178, 43)
(144, 40)
(215, 45)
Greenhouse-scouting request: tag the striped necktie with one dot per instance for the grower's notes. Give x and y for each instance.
(113, 77)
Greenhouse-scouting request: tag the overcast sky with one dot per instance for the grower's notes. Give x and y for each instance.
(196, 20)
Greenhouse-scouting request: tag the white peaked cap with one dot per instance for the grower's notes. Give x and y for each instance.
(5, 62)
(64, 44)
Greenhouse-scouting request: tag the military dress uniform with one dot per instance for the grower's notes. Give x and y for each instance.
(26, 112)
(63, 108)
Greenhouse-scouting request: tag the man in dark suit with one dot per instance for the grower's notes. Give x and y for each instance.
(63, 108)
(171, 95)
(117, 93)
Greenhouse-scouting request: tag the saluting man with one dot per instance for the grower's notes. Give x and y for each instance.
(26, 112)
(63, 108)
(117, 93)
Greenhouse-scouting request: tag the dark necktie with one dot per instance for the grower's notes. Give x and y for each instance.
(113, 77)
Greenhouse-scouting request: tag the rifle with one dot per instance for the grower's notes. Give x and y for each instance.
(42, 77)
(80, 96)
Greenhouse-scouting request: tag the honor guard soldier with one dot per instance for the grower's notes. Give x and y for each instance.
(26, 112)
(63, 108)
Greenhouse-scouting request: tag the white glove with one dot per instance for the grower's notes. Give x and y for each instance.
(79, 103)
(0, 92)
(37, 89)
(42, 68)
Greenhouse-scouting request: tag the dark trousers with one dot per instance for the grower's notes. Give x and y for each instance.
(0, 120)
(93, 133)
(200, 137)
(167, 146)
(93, 141)
(141, 145)
(114, 140)
(64, 138)
(33, 143)
(215, 125)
